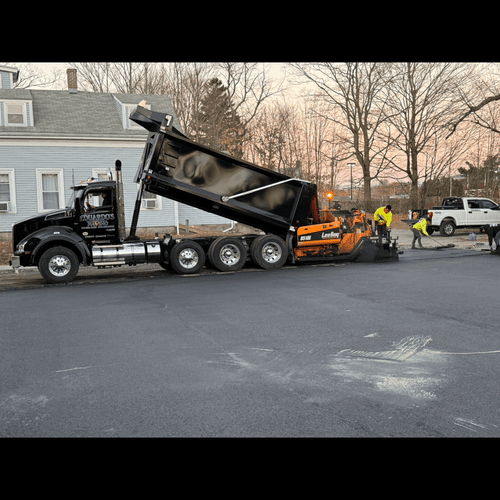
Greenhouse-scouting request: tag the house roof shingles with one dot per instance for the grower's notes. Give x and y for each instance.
(62, 114)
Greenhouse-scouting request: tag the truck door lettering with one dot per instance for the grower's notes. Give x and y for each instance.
(96, 220)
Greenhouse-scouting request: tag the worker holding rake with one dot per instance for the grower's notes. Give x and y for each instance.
(418, 229)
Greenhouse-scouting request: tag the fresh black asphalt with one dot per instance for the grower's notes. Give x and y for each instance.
(394, 349)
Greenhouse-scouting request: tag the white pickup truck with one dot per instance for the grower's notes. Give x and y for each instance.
(463, 213)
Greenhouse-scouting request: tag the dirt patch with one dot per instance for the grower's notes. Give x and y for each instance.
(5, 252)
(396, 221)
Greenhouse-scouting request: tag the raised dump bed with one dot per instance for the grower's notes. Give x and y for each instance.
(175, 167)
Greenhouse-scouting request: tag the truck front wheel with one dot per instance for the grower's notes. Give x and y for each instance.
(268, 252)
(447, 228)
(58, 265)
(187, 257)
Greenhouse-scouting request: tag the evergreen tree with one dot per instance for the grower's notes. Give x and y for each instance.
(220, 126)
(483, 180)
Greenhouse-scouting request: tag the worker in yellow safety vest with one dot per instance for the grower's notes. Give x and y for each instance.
(383, 219)
(418, 229)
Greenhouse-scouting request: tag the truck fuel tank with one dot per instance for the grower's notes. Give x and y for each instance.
(127, 253)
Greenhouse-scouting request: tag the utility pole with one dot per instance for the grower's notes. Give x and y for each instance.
(351, 165)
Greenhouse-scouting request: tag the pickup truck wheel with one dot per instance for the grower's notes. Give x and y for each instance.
(447, 228)
(227, 254)
(268, 252)
(58, 265)
(187, 257)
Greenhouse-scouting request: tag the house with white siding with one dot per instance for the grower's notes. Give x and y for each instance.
(53, 139)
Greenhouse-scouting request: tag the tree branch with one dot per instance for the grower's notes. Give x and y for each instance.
(472, 109)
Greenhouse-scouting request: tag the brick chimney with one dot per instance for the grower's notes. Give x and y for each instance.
(72, 82)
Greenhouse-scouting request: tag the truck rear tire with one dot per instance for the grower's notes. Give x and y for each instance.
(58, 265)
(227, 254)
(268, 251)
(447, 228)
(187, 257)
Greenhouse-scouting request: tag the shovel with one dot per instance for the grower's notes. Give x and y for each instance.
(450, 245)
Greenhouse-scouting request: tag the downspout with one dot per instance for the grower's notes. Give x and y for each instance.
(176, 216)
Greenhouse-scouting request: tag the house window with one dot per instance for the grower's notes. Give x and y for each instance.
(127, 122)
(16, 114)
(7, 191)
(100, 174)
(150, 201)
(50, 188)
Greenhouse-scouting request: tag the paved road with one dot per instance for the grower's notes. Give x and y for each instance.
(401, 349)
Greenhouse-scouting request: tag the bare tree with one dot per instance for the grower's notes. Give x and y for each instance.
(151, 79)
(478, 100)
(121, 77)
(249, 86)
(274, 141)
(184, 83)
(482, 174)
(125, 76)
(358, 91)
(438, 159)
(299, 140)
(325, 149)
(422, 99)
(32, 75)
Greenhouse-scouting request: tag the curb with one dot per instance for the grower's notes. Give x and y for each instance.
(10, 270)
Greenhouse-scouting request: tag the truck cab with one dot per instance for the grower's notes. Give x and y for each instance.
(89, 217)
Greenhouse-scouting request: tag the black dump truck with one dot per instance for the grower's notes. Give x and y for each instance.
(90, 230)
